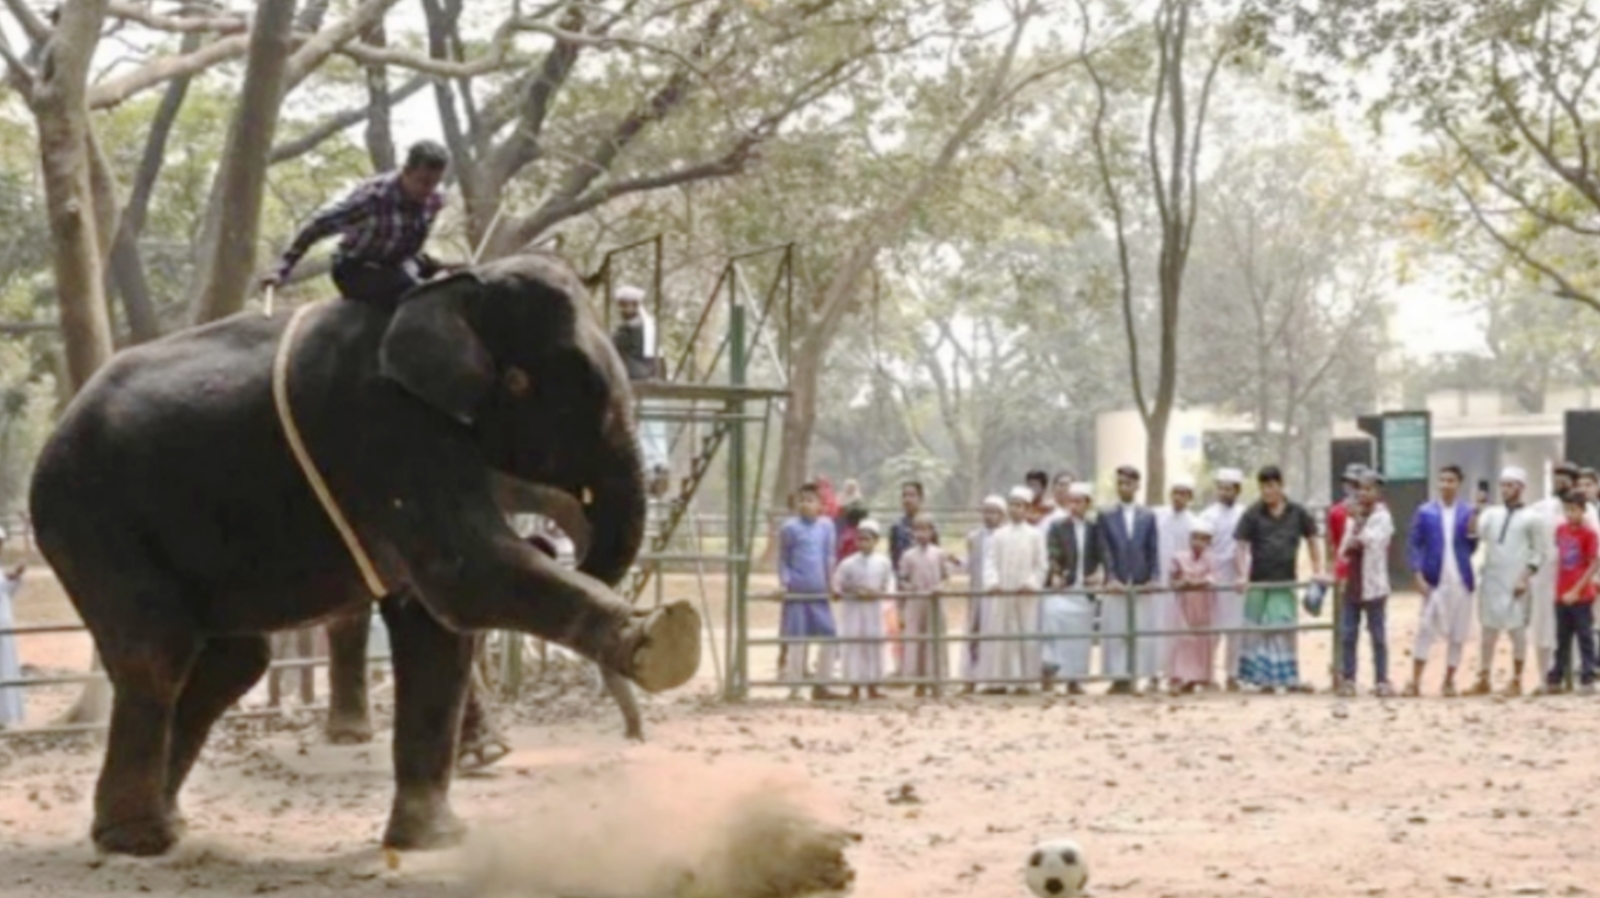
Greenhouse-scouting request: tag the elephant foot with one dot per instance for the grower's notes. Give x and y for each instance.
(139, 836)
(349, 730)
(423, 826)
(667, 651)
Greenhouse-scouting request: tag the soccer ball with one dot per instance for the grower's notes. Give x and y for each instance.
(1056, 869)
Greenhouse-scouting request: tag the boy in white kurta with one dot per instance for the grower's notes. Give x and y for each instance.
(1018, 573)
(862, 582)
(10, 662)
(1513, 544)
(1173, 524)
(980, 559)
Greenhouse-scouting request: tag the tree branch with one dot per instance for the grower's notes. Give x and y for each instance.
(325, 43)
(333, 125)
(33, 25)
(1565, 289)
(186, 24)
(114, 91)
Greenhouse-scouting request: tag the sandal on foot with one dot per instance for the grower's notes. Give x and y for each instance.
(482, 753)
(1411, 691)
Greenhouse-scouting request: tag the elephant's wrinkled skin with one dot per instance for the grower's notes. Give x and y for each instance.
(170, 507)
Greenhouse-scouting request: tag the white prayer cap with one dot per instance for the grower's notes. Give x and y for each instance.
(1514, 474)
(1021, 494)
(1229, 475)
(995, 502)
(629, 293)
(1202, 525)
(1182, 483)
(869, 526)
(1081, 491)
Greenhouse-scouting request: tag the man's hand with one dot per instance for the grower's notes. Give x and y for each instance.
(1521, 588)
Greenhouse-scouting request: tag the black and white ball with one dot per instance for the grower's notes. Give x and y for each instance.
(1056, 869)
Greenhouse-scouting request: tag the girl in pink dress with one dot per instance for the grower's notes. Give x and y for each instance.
(1192, 581)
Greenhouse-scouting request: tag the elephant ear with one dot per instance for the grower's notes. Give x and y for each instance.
(431, 349)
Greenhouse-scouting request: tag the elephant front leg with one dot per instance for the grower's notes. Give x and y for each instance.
(349, 717)
(506, 585)
(622, 693)
(432, 669)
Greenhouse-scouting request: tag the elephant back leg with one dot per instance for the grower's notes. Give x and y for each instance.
(621, 692)
(225, 670)
(349, 715)
(432, 671)
(148, 643)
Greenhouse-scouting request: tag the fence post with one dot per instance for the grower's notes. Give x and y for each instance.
(1133, 636)
(938, 648)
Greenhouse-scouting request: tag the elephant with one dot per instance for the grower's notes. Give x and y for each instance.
(171, 504)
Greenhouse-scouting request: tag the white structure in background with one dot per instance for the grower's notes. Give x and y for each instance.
(1120, 440)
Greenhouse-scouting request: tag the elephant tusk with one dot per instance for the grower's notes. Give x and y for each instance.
(516, 496)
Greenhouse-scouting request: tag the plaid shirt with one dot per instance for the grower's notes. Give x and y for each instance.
(376, 223)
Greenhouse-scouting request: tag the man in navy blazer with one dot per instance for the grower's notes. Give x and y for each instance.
(1444, 534)
(1130, 550)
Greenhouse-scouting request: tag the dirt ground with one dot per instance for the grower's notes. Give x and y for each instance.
(1215, 795)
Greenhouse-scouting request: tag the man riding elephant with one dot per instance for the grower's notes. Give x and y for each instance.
(263, 473)
(382, 226)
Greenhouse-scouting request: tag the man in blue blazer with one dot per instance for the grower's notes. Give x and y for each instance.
(1444, 534)
(1130, 549)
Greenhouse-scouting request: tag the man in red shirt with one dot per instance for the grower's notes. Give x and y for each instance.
(1578, 557)
(1339, 519)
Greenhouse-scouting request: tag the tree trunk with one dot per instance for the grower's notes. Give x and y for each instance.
(380, 132)
(63, 117)
(229, 259)
(77, 246)
(1155, 452)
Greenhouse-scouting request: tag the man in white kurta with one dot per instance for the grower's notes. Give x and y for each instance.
(1018, 573)
(1223, 515)
(863, 582)
(1513, 543)
(1542, 588)
(980, 560)
(1174, 523)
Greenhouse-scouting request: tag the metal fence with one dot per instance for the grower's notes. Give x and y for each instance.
(940, 637)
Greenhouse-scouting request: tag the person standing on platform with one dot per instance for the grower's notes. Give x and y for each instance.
(805, 572)
(1074, 550)
(1439, 548)
(1270, 534)
(1224, 515)
(1514, 546)
(1131, 551)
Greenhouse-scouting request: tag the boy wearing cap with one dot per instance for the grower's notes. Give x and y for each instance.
(1131, 550)
(1224, 515)
(1513, 543)
(862, 582)
(980, 561)
(1173, 523)
(1192, 574)
(921, 572)
(10, 663)
(1018, 573)
(1365, 551)
(1075, 563)
(1439, 548)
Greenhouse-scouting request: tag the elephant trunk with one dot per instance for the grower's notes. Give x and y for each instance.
(617, 504)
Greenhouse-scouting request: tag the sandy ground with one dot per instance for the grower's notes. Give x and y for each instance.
(1207, 796)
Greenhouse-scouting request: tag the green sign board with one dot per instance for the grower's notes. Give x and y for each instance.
(1405, 447)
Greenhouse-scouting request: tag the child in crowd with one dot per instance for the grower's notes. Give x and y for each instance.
(1193, 577)
(861, 583)
(923, 569)
(805, 573)
(10, 663)
(1366, 549)
(1578, 554)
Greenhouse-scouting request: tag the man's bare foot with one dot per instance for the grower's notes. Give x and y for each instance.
(1481, 687)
